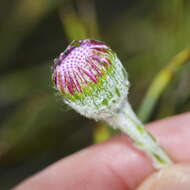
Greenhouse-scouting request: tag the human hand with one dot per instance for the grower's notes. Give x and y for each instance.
(117, 165)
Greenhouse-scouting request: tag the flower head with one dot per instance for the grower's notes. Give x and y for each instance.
(91, 78)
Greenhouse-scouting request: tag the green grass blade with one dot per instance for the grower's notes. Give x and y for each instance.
(160, 83)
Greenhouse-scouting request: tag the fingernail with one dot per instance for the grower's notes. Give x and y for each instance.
(176, 177)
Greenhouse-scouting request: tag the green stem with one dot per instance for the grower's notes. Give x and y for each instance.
(126, 120)
(160, 82)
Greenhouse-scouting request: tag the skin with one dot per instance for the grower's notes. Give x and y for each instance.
(114, 164)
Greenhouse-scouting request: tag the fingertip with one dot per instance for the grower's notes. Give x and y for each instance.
(175, 177)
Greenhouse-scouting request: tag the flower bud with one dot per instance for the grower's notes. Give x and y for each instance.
(91, 79)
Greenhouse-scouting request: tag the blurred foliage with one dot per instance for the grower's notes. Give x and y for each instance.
(160, 83)
(36, 129)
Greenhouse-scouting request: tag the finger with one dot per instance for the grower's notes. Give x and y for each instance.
(176, 177)
(115, 164)
(174, 135)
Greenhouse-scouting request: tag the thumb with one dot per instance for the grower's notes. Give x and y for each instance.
(174, 177)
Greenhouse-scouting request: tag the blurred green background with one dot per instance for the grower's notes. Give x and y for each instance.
(152, 38)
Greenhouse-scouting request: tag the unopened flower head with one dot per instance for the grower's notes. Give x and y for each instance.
(91, 78)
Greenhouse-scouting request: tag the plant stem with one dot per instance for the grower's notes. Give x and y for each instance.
(126, 120)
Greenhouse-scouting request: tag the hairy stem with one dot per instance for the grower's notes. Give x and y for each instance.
(126, 120)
